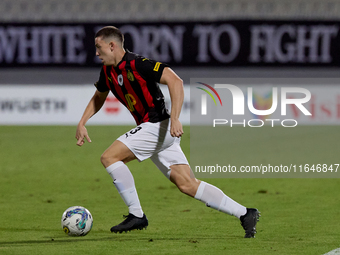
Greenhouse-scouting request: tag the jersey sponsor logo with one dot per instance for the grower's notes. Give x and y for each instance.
(120, 80)
(130, 76)
(156, 68)
(131, 101)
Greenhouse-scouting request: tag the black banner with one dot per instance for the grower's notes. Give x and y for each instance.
(228, 43)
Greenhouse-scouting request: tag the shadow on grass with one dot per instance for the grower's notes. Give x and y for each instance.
(120, 238)
(53, 241)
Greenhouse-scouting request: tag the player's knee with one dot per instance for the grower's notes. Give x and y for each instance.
(107, 159)
(103, 159)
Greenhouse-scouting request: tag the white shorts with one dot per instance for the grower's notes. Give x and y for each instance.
(153, 140)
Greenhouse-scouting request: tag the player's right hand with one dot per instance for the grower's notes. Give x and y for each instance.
(81, 134)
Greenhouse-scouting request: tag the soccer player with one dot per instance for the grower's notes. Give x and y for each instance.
(134, 80)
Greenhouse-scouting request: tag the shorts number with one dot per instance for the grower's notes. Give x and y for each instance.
(133, 131)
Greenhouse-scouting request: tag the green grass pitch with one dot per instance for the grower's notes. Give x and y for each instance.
(43, 172)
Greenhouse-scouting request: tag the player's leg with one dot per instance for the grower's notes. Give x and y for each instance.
(182, 177)
(139, 143)
(114, 159)
(173, 164)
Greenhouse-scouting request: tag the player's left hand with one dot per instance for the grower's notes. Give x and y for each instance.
(176, 129)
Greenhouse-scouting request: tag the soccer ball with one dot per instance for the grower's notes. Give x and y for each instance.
(77, 221)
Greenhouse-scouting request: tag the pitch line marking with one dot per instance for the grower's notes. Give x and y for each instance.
(333, 252)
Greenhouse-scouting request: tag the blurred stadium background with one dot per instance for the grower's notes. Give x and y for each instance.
(50, 42)
(110, 12)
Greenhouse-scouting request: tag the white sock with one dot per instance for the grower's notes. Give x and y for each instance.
(125, 184)
(214, 197)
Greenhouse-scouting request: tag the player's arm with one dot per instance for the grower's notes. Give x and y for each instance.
(92, 108)
(175, 85)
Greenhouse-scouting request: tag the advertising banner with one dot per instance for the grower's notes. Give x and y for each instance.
(220, 43)
(65, 104)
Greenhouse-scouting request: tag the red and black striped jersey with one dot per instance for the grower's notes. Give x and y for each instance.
(134, 82)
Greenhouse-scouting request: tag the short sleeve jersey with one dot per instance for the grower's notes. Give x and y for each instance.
(134, 82)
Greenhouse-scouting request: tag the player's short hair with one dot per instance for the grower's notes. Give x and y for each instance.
(111, 31)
